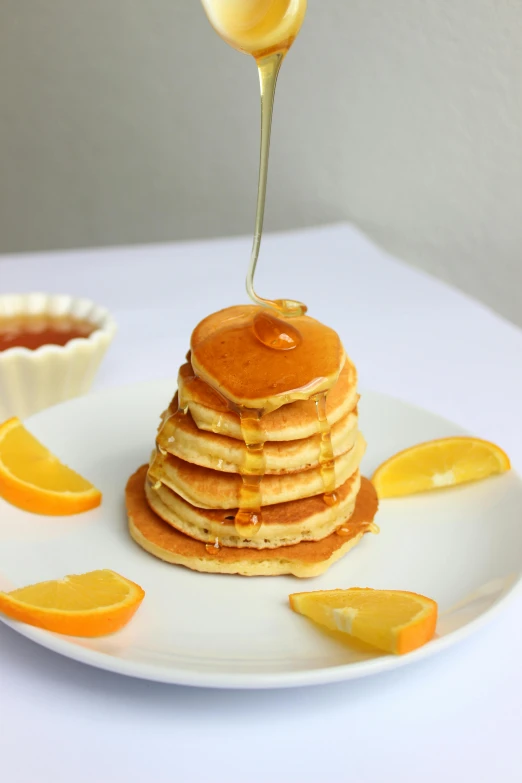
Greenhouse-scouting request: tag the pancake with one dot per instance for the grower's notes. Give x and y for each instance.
(226, 354)
(294, 421)
(283, 524)
(306, 559)
(208, 488)
(180, 436)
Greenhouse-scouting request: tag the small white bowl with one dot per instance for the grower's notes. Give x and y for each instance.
(31, 380)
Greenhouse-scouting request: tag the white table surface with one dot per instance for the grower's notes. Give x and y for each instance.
(457, 716)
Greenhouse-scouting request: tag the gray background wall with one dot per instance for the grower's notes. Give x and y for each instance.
(126, 121)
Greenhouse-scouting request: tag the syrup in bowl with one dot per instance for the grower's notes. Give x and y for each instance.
(34, 331)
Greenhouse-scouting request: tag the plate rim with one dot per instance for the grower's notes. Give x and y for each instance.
(171, 675)
(175, 675)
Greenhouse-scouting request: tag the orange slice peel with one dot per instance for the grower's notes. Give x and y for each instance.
(439, 463)
(33, 479)
(92, 604)
(393, 621)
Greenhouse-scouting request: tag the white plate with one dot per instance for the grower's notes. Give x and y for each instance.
(462, 547)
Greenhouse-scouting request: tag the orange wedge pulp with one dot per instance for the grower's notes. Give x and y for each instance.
(391, 620)
(438, 463)
(92, 604)
(34, 479)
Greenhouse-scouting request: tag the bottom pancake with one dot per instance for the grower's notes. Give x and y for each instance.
(306, 559)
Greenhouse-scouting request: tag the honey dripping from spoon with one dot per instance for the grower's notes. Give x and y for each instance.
(268, 70)
(265, 29)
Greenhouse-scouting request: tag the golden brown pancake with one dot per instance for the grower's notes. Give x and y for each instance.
(226, 354)
(302, 560)
(180, 436)
(294, 421)
(208, 488)
(283, 524)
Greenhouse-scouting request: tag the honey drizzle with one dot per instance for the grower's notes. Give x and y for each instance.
(183, 405)
(248, 516)
(268, 69)
(181, 410)
(326, 455)
(212, 549)
(217, 425)
(347, 530)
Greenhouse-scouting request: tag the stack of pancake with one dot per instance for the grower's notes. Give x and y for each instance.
(183, 507)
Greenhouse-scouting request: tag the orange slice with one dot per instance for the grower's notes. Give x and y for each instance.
(391, 620)
(438, 463)
(34, 479)
(92, 604)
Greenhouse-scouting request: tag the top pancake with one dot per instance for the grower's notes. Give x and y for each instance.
(226, 354)
(294, 421)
